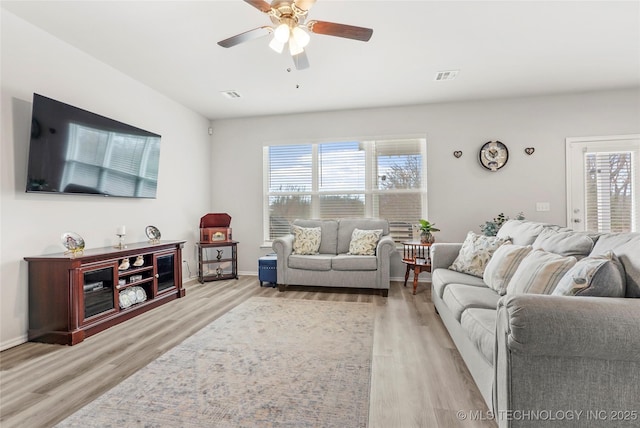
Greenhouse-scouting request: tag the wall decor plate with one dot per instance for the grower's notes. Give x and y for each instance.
(152, 233)
(124, 299)
(141, 295)
(72, 241)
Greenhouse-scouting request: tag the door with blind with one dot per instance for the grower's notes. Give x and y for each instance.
(603, 183)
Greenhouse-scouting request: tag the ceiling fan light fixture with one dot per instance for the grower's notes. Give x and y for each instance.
(294, 47)
(301, 37)
(281, 33)
(276, 45)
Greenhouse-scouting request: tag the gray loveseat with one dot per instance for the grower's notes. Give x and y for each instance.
(544, 359)
(332, 266)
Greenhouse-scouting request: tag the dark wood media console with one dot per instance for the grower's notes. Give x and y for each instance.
(74, 297)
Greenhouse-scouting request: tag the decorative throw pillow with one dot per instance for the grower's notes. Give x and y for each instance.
(364, 242)
(601, 276)
(306, 240)
(475, 253)
(539, 273)
(503, 265)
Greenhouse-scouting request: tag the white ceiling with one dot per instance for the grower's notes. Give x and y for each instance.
(502, 49)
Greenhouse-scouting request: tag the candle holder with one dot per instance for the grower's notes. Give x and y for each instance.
(121, 245)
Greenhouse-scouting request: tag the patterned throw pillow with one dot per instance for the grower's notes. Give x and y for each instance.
(601, 276)
(539, 273)
(503, 265)
(306, 240)
(364, 242)
(475, 253)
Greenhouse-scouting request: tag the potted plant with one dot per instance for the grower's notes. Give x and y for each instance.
(426, 229)
(491, 227)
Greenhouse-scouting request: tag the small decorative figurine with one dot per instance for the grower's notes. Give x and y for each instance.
(124, 264)
(219, 256)
(139, 261)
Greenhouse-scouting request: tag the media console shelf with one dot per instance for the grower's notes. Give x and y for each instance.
(74, 297)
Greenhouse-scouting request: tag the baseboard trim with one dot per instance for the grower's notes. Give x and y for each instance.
(14, 342)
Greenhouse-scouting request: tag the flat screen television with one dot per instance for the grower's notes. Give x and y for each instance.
(74, 151)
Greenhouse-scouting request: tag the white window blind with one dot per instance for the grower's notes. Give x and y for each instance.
(378, 178)
(611, 189)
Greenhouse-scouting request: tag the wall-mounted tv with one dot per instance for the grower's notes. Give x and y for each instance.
(74, 151)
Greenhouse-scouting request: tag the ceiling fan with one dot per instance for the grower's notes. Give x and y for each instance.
(290, 28)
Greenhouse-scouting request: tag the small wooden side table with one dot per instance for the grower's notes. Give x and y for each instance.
(217, 260)
(417, 258)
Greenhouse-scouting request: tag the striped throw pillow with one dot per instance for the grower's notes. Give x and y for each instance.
(503, 265)
(539, 273)
(601, 276)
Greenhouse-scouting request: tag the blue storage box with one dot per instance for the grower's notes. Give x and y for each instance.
(268, 269)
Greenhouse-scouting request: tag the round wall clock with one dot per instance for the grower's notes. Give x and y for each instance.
(493, 155)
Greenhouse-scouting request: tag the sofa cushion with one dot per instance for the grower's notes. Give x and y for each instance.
(503, 265)
(347, 262)
(459, 297)
(480, 326)
(306, 240)
(475, 253)
(564, 242)
(441, 278)
(539, 273)
(317, 262)
(520, 232)
(601, 276)
(364, 242)
(328, 236)
(627, 247)
(347, 225)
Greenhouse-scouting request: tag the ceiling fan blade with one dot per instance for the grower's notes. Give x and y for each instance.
(304, 4)
(245, 37)
(261, 5)
(301, 61)
(340, 30)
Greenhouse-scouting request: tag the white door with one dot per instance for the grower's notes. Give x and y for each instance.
(603, 183)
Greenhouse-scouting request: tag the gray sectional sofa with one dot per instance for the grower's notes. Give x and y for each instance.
(332, 266)
(545, 359)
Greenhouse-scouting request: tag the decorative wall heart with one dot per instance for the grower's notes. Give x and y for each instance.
(457, 153)
(529, 150)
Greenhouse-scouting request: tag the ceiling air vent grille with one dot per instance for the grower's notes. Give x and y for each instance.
(230, 94)
(446, 75)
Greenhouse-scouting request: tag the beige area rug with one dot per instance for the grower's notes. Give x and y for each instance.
(266, 363)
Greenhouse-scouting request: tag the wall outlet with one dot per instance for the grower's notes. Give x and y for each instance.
(543, 206)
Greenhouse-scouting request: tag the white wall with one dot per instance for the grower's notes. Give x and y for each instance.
(462, 195)
(31, 224)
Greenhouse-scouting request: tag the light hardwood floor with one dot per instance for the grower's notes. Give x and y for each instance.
(418, 378)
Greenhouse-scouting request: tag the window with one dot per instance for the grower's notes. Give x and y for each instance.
(381, 178)
(609, 190)
(604, 183)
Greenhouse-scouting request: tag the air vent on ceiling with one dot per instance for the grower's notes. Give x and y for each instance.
(231, 94)
(447, 75)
